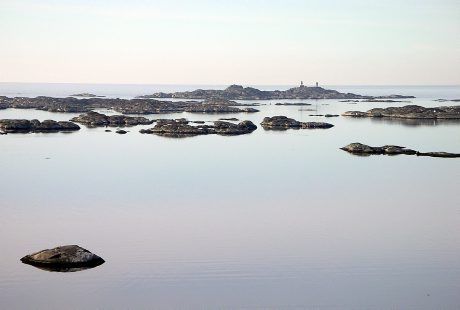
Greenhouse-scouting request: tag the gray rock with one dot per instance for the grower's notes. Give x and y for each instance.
(283, 123)
(26, 126)
(366, 150)
(62, 258)
(230, 129)
(410, 112)
(95, 119)
(181, 128)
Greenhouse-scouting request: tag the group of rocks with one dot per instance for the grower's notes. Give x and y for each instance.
(182, 128)
(26, 126)
(238, 92)
(366, 150)
(124, 106)
(410, 112)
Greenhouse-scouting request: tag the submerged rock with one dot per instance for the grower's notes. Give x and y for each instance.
(62, 258)
(283, 123)
(95, 119)
(410, 112)
(233, 119)
(366, 150)
(293, 103)
(26, 126)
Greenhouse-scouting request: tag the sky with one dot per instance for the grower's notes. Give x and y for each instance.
(354, 42)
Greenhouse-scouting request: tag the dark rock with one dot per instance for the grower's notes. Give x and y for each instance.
(229, 119)
(383, 100)
(410, 112)
(349, 101)
(63, 258)
(292, 103)
(25, 126)
(238, 92)
(226, 128)
(331, 115)
(366, 150)
(316, 125)
(95, 119)
(181, 128)
(439, 154)
(208, 108)
(283, 123)
(121, 132)
(108, 130)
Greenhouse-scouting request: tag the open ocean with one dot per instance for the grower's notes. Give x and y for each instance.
(268, 220)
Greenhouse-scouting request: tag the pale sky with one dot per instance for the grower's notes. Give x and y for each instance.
(235, 41)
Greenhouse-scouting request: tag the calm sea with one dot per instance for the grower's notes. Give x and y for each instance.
(269, 220)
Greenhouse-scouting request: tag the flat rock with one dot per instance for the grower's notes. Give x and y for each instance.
(283, 123)
(410, 112)
(95, 119)
(26, 126)
(182, 128)
(366, 150)
(62, 258)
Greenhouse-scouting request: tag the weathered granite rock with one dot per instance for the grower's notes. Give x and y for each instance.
(124, 106)
(230, 129)
(62, 258)
(95, 119)
(181, 128)
(315, 125)
(176, 128)
(26, 126)
(410, 112)
(362, 149)
(283, 123)
(366, 150)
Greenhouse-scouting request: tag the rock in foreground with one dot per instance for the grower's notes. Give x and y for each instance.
(284, 123)
(26, 126)
(63, 258)
(410, 112)
(95, 119)
(366, 150)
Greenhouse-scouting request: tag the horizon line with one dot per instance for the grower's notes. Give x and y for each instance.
(219, 84)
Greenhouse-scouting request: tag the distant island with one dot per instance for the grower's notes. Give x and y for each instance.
(238, 92)
(87, 95)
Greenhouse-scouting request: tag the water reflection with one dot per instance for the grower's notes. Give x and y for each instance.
(415, 122)
(63, 268)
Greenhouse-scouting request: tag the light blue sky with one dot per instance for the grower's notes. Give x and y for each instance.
(223, 42)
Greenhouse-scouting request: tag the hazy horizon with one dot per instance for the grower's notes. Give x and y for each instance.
(242, 42)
